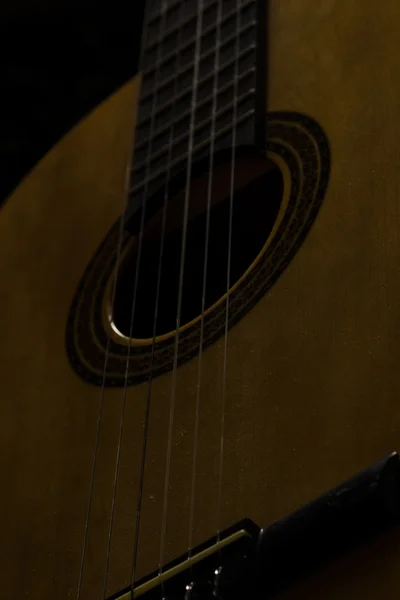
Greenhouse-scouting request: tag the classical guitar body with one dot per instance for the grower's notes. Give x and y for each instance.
(303, 382)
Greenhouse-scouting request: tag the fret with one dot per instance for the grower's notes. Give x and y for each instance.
(166, 101)
(196, 151)
(154, 184)
(189, 6)
(162, 147)
(246, 81)
(188, 25)
(227, 25)
(245, 46)
(205, 88)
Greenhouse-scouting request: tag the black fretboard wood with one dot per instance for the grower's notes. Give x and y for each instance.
(226, 44)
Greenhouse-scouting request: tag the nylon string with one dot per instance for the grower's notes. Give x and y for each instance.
(228, 274)
(178, 318)
(101, 404)
(181, 274)
(204, 288)
(102, 393)
(159, 270)
(132, 317)
(105, 366)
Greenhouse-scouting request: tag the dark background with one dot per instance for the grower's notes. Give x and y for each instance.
(59, 59)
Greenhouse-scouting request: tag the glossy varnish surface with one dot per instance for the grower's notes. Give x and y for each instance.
(312, 386)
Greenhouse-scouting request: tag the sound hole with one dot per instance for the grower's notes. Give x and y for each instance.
(255, 210)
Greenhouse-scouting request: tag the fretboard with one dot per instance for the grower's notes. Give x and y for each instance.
(202, 80)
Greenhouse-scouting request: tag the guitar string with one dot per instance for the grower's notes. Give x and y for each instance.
(206, 251)
(102, 394)
(199, 25)
(228, 273)
(159, 271)
(127, 365)
(133, 307)
(107, 352)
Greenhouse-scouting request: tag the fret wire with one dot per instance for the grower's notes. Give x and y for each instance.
(156, 66)
(198, 126)
(156, 16)
(178, 119)
(202, 81)
(177, 161)
(186, 21)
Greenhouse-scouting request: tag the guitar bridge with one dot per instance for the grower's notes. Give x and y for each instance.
(244, 561)
(208, 572)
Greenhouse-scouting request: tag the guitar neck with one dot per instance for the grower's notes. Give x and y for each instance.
(203, 86)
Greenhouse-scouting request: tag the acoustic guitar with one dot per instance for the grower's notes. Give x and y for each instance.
(200, 319)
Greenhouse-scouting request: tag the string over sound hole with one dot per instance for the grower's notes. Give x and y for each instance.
(299, 148)
(255, 209)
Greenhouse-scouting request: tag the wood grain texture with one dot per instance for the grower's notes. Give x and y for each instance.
(312, 386)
